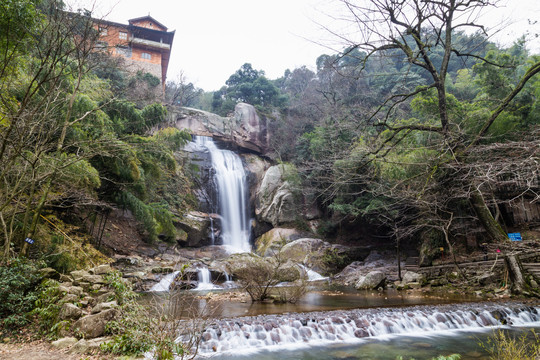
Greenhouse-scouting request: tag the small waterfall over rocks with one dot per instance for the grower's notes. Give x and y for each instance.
(293, 330)
(205, 280)
(165, 283)
(230, 178)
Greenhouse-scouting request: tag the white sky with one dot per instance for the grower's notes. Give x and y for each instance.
(215, 37)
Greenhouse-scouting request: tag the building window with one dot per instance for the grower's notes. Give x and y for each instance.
(146, 56)
(122, 35)
(103, 31)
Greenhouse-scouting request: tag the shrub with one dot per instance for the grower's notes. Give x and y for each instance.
(19, 282)
(48, 307)
(502, 346)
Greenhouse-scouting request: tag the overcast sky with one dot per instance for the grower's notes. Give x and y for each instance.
(215, 37)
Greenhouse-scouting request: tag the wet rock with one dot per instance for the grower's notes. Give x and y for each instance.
(371, 281)
(361, 333)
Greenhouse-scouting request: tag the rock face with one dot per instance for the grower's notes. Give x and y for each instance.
(275, 202)
(198, 227)
(245, 128)
(372, 280)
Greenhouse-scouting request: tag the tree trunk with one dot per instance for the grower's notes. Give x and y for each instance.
(516, 275)
(492, 227)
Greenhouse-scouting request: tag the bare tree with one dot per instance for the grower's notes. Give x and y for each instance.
(422, 33)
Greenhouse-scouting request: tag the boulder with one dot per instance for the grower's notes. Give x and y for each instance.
(93, 326)
(372, 280)
(78, 274)
(84, 346)
(101, 269)
(93, 279)
(69, 298)
(412, 277)
(197, 226)
(69, 311)
(65, 278)
(270, 242)
(75, 290)
(109, 296)
(302, 250)
(275, 201)
(64, 343)
(104, 306)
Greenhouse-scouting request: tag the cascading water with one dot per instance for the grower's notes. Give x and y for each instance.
(280, 331)
(205, 280)
(165, 283)
(231, 183)
(311, 274)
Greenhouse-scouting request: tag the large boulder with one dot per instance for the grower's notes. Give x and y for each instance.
(93, 326)
(198, 227)
(69, 311)
(271, 242)
(372, 280)
(319, 255)
(250, 265)
(275, 202)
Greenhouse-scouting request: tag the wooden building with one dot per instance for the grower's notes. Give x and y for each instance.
(144, 43)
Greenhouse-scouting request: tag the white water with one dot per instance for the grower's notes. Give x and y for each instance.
(312, 275)
(165, 283)
(232, 189)
(205, 280)
(300, 330)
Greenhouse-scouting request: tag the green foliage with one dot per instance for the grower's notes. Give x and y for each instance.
(146, 77)
(131, 331)
(250, 86)
(19, 281)
(48, 307)
(503, 346)
(332, 261)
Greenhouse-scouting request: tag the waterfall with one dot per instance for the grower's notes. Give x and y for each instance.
(165, 282)
(205, 280)
(311, 275)
(231, 183)
(279, 331)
